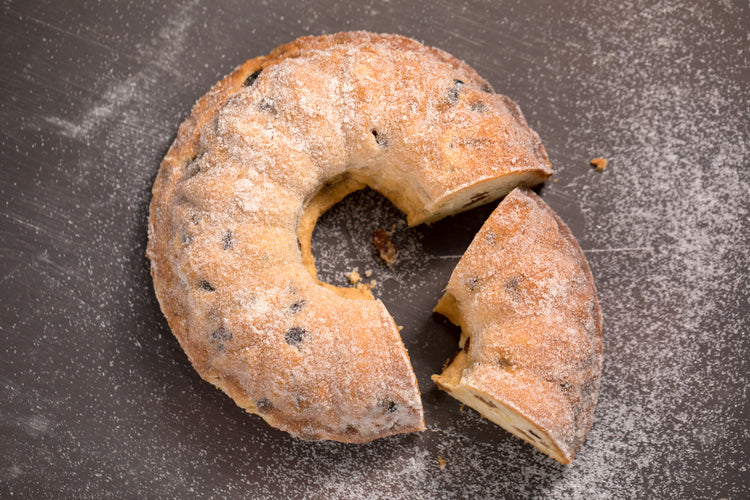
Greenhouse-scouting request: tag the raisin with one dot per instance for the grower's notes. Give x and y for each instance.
(380, 139)
(221, 334)
(263, 405)
(504, 363)
(467, 344)
(486, 401)
(295, 335)
(267, 105)
(476, 199)
(227, 239)
(478, 107)
(389, 406)
(206, 286)
(192, 169)
(450, 359)
(453, 91)
(487, 88)
(250, 80)
(511, 286)
(297, 306)
(472, 283)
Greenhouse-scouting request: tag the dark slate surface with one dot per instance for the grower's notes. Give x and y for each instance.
(97, 399)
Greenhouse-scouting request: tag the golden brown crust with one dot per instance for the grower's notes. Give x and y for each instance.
(233, 189)
(531, 327)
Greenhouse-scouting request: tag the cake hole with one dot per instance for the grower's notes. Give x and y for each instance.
(342, 238)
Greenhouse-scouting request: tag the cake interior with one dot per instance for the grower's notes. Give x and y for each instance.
(503, 413)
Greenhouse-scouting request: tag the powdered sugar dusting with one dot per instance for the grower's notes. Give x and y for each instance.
(99, 400)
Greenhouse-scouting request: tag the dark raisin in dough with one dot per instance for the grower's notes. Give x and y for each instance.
(192, 169)
(263, 405)
(250, 81)
(511, 286)
(472, 283)
(476, 199)
(478, 107)
(504, 363)
(453, 91)
(380, 139)
(295, 335)
(221, 334)
(206, 286)
(297, 306)
(227, 239)
(389, 406)
(267, 105)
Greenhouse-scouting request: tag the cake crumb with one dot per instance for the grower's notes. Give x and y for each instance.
(385, 246)
(368, 273)
(554, 181)
(442, 462)
(600, 164)
(399, 327)
(373, 283)
(354, 277)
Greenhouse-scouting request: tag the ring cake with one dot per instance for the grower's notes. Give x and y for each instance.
(265, 152)
(531, 347)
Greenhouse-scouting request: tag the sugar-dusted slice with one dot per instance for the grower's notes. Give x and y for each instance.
(531, 351)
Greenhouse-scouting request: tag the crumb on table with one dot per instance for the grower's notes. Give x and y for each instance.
(382, 242)
(354, 277)
(600, 164)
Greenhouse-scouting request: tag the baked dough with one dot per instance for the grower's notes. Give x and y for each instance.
(264, 153)
(531, 348)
